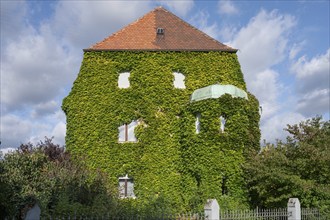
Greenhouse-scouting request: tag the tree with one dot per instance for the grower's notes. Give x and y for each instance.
(299, 167)
(45, 174)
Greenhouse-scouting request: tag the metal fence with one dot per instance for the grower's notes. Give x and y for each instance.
(311, 214)
(256, 214)
(269, 214)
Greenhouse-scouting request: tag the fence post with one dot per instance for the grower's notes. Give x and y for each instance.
(211, 210)
(294, 212)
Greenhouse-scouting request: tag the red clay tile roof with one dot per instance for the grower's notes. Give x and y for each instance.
(142, 35)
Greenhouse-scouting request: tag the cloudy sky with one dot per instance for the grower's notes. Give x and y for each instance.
(283, 51)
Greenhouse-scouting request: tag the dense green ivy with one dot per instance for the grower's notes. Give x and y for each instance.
(171, 164)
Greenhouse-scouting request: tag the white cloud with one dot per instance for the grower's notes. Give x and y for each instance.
(263, 42)
(12, 19)
(83, 23)
(316, 102)
(262, 45)
(317, 66)
(50, 126)
(182, 8)
(313, 84)
(14, 130)
(227, 33)
(44, 108)
(59, 132)
(34, 69)
(273, 127)
(227, 7)
(266, 87)
(200, 20)
(296, 48)
(60, 116)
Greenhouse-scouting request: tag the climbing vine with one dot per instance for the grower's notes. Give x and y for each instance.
(171, 165)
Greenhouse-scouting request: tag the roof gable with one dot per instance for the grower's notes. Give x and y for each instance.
(142, 35)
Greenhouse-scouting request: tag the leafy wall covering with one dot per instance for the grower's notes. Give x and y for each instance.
(171, 165)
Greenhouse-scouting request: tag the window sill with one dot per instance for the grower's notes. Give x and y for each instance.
(127, 142)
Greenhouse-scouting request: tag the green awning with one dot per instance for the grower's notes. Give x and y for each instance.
(217, 90)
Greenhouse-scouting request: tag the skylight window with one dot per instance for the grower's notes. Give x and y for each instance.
(160, 31)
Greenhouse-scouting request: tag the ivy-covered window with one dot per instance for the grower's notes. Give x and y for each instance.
(123, 80)
(126, 187)
(179, 80)
(222, 124)
(198, 123)
(224, 187)
(126, 132)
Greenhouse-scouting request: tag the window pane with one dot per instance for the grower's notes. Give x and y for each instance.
(126, 187)
(131, 127)
(121, 135)
(179, 80)
(222, 123)
(198, 123)
(123, 80)
(121, 189)
(130, 189)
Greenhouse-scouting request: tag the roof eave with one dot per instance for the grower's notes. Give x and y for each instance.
(174, 50)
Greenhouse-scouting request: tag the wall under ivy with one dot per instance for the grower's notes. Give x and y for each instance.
(171, 164)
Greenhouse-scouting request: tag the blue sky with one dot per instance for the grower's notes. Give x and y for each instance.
(283, 51)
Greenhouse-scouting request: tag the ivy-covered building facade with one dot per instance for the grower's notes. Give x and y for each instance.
(164, 105)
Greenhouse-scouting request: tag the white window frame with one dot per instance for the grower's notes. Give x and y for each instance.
(178, 81)
(126, 187)
(126, 132)
(123, 80)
